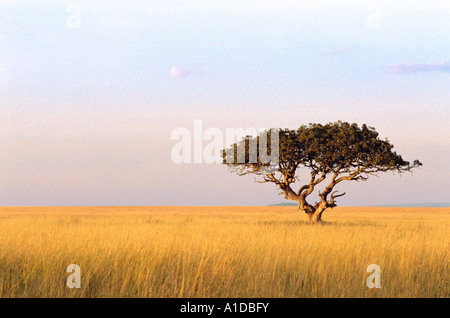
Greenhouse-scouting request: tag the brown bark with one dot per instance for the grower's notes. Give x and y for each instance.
(314, 217)
(314, 214)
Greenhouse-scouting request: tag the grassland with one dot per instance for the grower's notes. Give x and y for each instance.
(223, 252)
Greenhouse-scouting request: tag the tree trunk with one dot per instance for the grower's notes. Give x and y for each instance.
(316, 216)
(313, 213)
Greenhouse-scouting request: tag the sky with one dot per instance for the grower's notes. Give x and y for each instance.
(91, 91)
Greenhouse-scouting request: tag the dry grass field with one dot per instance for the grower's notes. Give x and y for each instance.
(223, 252)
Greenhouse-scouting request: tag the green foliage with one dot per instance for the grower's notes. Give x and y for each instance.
(338, 146)
(344, 151)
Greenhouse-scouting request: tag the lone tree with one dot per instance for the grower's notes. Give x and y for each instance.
(332, 153)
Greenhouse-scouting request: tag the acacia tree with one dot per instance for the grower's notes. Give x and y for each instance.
(332, 153)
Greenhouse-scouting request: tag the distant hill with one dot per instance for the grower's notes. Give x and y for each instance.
(419, 205)
(284, 204)
(403, 205)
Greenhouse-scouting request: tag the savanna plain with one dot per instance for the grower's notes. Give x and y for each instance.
(223, 252)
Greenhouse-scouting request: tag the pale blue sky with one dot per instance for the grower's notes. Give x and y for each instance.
(86, 113)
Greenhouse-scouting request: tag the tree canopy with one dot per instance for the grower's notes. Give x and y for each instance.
(335, 152)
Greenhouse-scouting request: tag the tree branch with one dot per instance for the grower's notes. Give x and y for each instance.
(332, 202)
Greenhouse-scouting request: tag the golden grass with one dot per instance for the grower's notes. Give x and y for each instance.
(223, 252)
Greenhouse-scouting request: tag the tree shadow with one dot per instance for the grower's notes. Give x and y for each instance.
(322, 223)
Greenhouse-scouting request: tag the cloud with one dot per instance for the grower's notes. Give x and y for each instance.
(176, 72)
(410, 68)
